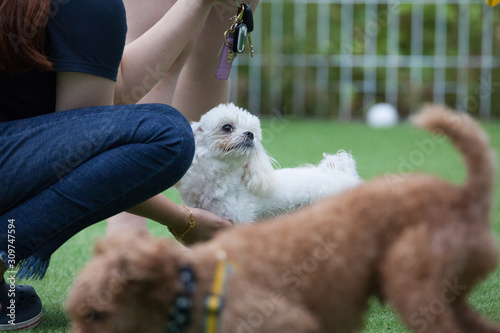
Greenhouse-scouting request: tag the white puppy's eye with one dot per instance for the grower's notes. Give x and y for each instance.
(227, 128)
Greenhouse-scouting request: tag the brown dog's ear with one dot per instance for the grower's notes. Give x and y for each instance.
(152, 281)
(152, 261)
(130, 271)
(138, 256)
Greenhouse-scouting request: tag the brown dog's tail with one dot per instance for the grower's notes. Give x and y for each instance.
(472, 142)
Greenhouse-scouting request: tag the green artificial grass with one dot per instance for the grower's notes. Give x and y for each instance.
(378, 152)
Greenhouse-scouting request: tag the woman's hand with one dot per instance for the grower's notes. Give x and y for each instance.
(206, 226)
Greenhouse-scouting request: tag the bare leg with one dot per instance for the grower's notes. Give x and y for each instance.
(198, 75)
(141, 16)
(190, 85)
(125, 220)
(471, 321)
(197, 78)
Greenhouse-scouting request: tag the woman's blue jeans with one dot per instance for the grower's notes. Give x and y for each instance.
(62, 172)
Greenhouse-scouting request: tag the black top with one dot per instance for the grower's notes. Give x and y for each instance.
(86, 36)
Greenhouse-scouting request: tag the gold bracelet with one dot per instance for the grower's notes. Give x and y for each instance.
(191, 225)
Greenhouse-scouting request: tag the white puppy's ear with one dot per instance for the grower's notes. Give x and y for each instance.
(259, 176)
(196, 127)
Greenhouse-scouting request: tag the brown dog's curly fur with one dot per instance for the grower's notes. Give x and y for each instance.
(415, 241)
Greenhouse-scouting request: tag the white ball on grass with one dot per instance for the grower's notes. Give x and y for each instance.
(382, 115)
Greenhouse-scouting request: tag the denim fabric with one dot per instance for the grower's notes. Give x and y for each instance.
(61, 172)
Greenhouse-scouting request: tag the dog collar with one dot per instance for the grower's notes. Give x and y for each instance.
(180, 312)
(214, 302)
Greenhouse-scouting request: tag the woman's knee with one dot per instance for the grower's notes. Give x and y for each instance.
(172, 134)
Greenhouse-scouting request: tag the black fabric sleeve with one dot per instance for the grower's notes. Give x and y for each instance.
(87, 36)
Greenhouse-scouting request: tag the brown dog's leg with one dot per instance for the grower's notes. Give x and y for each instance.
(417, 278)
(251, 309)
(472, 322)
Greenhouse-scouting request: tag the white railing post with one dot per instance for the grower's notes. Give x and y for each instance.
(335, 53)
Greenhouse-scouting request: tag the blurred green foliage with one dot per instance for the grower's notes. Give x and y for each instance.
(304, 41)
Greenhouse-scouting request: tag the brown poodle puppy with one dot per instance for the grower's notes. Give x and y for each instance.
(415, 241)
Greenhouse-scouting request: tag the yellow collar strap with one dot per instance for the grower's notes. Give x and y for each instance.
(492, 3)
(214, 302)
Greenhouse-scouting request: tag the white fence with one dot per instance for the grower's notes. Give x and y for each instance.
(336, 58)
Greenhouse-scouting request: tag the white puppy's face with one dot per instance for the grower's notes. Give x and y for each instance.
(232, 135)
(228, 132)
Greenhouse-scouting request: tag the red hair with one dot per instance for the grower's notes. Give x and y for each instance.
(22, 35)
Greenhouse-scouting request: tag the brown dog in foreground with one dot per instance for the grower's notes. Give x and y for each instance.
(414, 241)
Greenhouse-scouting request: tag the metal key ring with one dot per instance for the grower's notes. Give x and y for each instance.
(226, 37)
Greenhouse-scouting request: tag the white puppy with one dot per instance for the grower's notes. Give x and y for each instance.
(233, 176)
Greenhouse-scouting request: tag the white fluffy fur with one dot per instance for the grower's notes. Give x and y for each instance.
(233, 176)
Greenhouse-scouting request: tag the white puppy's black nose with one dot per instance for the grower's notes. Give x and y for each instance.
(249, 135)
